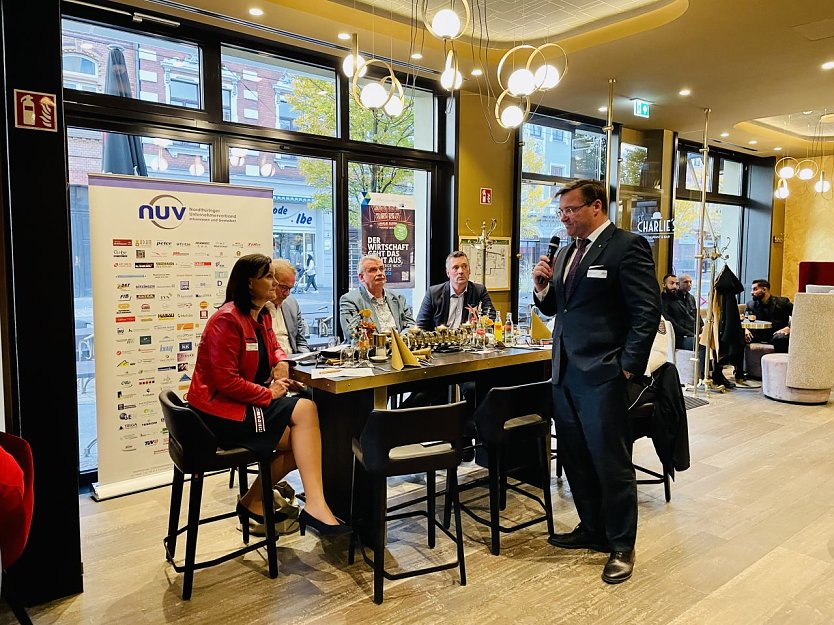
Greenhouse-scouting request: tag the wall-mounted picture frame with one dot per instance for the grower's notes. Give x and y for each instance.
(496, 276)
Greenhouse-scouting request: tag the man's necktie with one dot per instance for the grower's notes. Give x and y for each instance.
(581, 244)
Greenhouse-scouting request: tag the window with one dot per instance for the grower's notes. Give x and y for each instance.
(184, 93)
(694, 163)
(577, 153)
(136, 66)
(414, 128)
(96, 151)
(634, 163)
(730, 177)
(226, 104)
(277, 93)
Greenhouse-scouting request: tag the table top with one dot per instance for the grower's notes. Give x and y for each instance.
(441, 365)
(756, 325)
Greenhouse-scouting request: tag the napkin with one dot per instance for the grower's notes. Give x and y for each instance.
(400, 354)
(538, 330)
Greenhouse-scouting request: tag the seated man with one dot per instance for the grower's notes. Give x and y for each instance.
(767, 307)
(680, 312)
(287, 321)
(388, 310)
(447, 304)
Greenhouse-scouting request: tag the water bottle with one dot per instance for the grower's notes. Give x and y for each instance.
(509, 330)
(497, 328)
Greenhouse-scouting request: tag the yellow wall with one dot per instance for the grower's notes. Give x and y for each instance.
(483, 163)
(809, 228)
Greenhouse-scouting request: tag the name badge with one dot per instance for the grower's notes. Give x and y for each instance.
(597, 273)
(251, 347)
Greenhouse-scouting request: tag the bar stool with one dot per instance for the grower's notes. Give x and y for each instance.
(194, 451)
(404, 442)
(506, 417)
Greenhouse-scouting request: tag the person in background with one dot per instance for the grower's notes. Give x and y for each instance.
(768, 307)
(447, 304)
(603, 290)
(686, 295)
(310, 274)
(287, 321)
(240, 386)
(674, 304)
(388, 309)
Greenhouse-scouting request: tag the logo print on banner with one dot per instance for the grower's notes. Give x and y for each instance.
(164, 211)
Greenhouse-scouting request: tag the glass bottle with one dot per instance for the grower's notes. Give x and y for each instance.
(497, 327)
(509, 330)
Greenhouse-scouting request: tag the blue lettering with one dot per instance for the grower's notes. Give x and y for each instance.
(148, 208)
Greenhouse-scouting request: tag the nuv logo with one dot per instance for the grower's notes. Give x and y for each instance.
(164, 211)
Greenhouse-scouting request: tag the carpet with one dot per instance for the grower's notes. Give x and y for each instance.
(694, 402)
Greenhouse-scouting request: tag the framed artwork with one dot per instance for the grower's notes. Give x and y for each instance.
(495, 272)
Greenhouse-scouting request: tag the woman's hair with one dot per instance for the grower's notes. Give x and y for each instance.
(309, 257)
(247, 267)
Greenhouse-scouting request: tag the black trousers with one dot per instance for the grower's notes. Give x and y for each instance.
(595, 443)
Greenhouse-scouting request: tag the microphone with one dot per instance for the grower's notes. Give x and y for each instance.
(552, 248)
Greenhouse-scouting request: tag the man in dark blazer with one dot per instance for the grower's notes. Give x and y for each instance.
(603, 290)
(447, 304)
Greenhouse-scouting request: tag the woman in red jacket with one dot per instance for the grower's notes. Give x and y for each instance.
(240, 386)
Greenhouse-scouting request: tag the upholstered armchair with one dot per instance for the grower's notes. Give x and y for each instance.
(805, 375)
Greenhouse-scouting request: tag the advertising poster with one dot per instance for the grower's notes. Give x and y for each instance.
(388, 231)
(161, 254)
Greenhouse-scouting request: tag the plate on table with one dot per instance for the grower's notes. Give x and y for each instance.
(378, 358)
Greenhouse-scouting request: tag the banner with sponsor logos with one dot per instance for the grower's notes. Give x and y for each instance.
(161, 254)
(388, 232)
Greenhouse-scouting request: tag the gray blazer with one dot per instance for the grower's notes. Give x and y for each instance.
(294, 322)
(356, 299)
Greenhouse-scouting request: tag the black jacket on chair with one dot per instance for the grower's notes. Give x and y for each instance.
(434, 310)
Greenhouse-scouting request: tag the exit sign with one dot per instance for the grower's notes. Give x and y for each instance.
(641, 108)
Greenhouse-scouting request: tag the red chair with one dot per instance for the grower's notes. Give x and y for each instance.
(17, 501)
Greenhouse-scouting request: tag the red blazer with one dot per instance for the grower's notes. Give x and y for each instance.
(227, 360)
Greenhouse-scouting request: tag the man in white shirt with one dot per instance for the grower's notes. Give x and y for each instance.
(287, 322)
(388, 309)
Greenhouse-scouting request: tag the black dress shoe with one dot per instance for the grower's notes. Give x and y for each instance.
(580, 538)
(619, 567)
(321, 528)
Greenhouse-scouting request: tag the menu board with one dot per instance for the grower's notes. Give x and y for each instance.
(161, 253)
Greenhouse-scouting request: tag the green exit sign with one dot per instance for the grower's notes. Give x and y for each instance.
(641, 108)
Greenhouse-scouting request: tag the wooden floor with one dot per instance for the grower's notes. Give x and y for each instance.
(747, 538)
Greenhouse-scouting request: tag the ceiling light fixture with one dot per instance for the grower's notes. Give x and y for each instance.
(416, 56)
(786, 167)
(828, 65)
(752, 142)
(477, 72)
(778, 148)
(344, 36)
(782, 191)
(256, 12)
(685, 92)
(603, 109)
(725, 134)
(446, 24)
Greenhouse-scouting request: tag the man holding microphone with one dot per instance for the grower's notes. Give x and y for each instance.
(603, 290)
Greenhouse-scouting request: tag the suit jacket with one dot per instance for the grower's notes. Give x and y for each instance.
(356, 299)
(294, 322)
(435, 308)
(609, 322)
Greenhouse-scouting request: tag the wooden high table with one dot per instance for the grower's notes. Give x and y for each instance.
(345, 403)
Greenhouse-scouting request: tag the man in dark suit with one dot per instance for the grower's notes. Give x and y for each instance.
(603, 290)
(767, 307)
(447, 304)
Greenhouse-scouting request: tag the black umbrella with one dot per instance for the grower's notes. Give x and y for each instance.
(122, 153)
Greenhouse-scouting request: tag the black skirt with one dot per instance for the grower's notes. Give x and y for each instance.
(232, 434)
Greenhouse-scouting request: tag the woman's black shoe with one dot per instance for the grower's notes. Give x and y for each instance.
(321, 528)
(244, 514)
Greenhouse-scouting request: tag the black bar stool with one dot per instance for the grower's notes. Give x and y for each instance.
(404, 442)
(194, 451)
(506, 417)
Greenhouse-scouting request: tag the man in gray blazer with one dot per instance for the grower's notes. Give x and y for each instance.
(287, 321)
(388, 310)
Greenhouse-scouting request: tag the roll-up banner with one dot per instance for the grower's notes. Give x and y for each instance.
(161, 254)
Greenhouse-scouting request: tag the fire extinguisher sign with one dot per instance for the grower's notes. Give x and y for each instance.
(35, 111)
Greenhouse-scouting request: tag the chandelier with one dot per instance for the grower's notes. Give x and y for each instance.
(806, 169)
(384, 94)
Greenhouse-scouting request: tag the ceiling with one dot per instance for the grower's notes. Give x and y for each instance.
(746, 60)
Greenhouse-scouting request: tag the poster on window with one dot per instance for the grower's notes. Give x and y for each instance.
(387, 231)
(161, 255)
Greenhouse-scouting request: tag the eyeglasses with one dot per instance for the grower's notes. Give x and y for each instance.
(285, 287)
(570, 210)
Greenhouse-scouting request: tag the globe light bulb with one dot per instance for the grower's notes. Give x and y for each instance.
(782, 191)
(512, 116)
(822, 185)
(394, 106)
(786, 172)
(806, 173)
(451, 79)
(521, 82)
(372, 95)
(348, 65)
(546, 77)
(446, 24)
